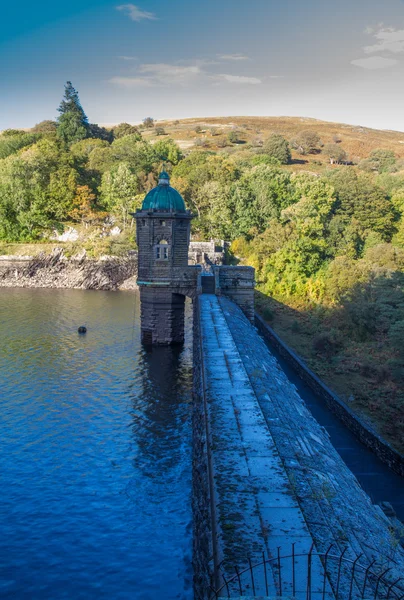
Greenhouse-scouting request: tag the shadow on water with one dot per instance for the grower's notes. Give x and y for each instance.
(375, 477)
(96, 451)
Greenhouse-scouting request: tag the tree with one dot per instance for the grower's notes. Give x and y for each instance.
(46, 127)
(148, 122)
(140, 156)
(83, 208)
(72, 122)
(10, 144)
(100, 133)
(125, 129)
(335, 153)
(168, 151)
(119, 189)
(278, 147)
(380, 160)
(12, 132)
(306, 142)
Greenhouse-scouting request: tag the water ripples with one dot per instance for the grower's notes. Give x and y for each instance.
(96, 451)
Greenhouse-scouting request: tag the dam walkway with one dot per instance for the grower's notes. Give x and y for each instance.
(279, 486)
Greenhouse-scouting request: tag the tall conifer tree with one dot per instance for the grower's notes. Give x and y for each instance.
(72, 122)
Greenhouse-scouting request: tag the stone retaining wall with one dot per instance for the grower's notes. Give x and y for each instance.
(362, 430)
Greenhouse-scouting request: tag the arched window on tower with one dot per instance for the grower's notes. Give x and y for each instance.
(162, 250)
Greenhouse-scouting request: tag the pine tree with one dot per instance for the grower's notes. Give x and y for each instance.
(71, 103)
(72, 122)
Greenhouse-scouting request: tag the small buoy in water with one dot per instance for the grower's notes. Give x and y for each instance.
(82, 329)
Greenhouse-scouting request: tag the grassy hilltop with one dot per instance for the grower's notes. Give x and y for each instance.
(357, 141)
(317, 208)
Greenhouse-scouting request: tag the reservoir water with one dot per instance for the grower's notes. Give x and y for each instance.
(95, 461)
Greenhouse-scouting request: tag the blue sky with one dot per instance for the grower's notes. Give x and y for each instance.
(339, 61)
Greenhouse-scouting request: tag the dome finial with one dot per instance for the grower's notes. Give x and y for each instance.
(164, 178)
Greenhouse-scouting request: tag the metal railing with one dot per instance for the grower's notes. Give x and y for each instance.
(311, 576)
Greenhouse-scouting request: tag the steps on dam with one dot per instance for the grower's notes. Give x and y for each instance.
(256, 510)
(208, 283)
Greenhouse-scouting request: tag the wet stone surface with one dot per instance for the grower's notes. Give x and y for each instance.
(278, 480)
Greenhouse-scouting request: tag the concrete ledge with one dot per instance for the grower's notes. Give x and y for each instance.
(363, 431)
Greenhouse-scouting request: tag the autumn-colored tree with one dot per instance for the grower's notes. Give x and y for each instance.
(83, 207)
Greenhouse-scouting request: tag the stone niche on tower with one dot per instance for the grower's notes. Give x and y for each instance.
(164, 277)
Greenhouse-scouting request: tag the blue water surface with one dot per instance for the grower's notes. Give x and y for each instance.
(95, 462)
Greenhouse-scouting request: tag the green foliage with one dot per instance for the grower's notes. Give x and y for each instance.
(327, 343)
(335, 153)
(380, 160)
(125, 129)
(119, 191)
(140, 156)
(233, 137)
(12, 132)
(101, 133)
(71, 128)
(168, 151)
(277, 147)
(45, 127)
(10, 144)
(72, 122)
(306, 142)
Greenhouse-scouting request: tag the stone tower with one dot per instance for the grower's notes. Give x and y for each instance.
(164, 277)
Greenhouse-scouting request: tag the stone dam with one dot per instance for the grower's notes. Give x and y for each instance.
(269, 482)
(277, 513)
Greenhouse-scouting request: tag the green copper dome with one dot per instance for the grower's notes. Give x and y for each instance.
(164, 198)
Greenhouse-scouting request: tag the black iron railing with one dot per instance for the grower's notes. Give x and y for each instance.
(311, 576)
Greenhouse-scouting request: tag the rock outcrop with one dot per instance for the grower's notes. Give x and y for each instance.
(56, 271)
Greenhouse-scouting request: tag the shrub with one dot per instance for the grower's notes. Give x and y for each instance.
(278, 147)
(267, 314)
(222, 142)
(202, 143)
(198, 129)
(160, 131)
(148, 122)
(327, 343)
(233, 137)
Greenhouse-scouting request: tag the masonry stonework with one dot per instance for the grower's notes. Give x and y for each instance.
(165, 278)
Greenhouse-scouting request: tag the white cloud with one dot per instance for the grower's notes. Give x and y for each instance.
(135, 13)
(232, 57)
(389, 40)
(166, 73)
(131, 82)
(128, 57)
(374, 62)
(239, 79)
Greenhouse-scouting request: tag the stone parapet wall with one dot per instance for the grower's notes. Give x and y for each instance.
(201, 486)
(214, 251)
(237, 283)
(363, 431)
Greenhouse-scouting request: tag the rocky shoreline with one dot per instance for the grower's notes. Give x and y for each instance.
(80, 272)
